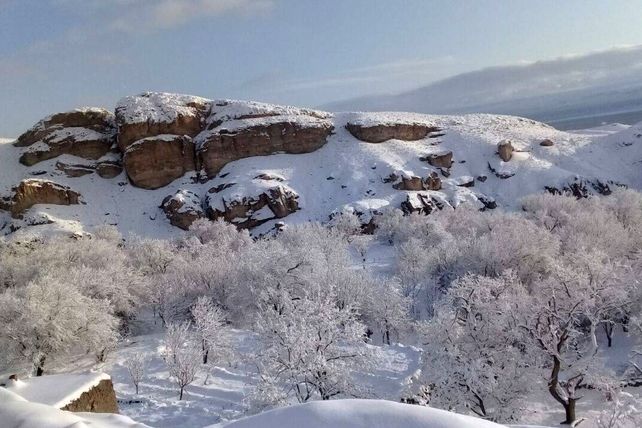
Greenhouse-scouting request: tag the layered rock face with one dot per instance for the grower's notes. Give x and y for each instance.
(183, 208)
(153, 113)
(250, 207)
(156, 161)
(262, 136)
(87, 133)
(36, 191)
(378, 133)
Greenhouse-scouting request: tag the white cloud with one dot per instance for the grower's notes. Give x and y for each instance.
(392, 75)
(136, 16)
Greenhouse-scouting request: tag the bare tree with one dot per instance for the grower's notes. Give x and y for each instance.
(182, 355)
(136, 366)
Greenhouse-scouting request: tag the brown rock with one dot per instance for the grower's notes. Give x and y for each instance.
(546, 143)
(99, 399)
(183, 208)
(412, 183)
(96, 119)
(393, 131)
(420, 203)
(259, 137)
(505, 150)
(432, 182)
(109, 169)
(88, 133)
(252, 210)
(74, 170)
(34, 191)
(154, 162)
(440, 160)
(150, 114)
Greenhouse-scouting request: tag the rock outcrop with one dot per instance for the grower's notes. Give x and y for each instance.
(546, 143)
(99, 399)
(414, 183)
(378, 133)
(156, 161)
(183, 208)
(262, 136)
(247, 208)
(87, 133)
(505, 150)
(156, 113)
(440, 160)
(421, 203)
(34, 191)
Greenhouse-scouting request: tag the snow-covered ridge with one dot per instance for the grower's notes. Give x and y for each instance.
(159, 107)
(344, 174)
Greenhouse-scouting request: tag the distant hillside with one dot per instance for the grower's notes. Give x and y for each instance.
(549, 91)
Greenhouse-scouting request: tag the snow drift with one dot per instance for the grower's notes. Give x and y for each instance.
(359, 414)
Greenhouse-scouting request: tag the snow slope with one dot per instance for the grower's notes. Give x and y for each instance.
(359, 414)
(348, 174)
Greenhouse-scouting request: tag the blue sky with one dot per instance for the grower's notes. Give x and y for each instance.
(58, 54)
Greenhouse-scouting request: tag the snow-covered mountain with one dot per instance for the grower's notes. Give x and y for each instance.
(551, 91)
(164, 160)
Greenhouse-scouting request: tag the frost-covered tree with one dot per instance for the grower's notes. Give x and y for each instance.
(562, 316)
(310, 348)
(136, 366)
(182, 354)
(49, 318)
(476, 359)
(211, 330)
(387, 310)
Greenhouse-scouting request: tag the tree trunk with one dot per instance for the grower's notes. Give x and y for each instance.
(40, 366)
(136, 389)
(205, 353)
(608, 329)
(180, 397)
(569, 409)
(553, 385)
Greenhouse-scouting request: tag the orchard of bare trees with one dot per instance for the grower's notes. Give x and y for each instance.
(502, 303)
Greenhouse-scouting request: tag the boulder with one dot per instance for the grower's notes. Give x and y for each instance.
(34, 191)
(505, 150)
(94, 118)
(466, 181)
(109, 169)
(500, 171)
(546, 143)
(154, 162)
(183, 208)
(378, 133)
(74, 170)
(420, 203)
(87, 133)
(412, 183)
(440, 160)
(247, 208)
(432, 182)
(243, 138)
(157, 113)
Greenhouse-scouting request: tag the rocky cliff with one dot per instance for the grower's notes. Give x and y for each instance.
(161, 161)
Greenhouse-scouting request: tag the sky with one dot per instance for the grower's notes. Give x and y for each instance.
(60, 54)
